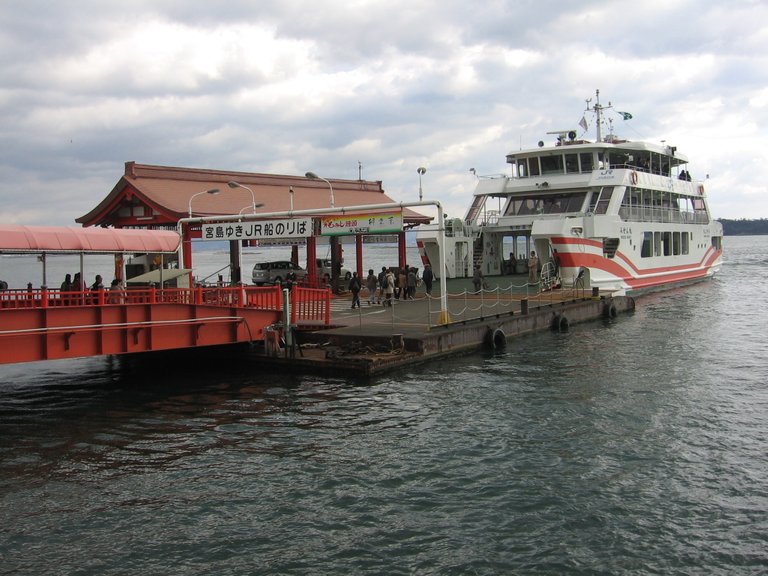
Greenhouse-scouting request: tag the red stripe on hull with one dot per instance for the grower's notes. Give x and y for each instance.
(625, 270)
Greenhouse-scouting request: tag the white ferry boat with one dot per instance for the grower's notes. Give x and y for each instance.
(613, 214)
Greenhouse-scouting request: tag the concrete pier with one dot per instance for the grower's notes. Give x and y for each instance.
(375, 339)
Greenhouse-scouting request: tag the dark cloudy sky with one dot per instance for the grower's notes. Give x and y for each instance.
(290, 86)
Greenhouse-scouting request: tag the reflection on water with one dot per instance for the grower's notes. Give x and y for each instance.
(630, 446)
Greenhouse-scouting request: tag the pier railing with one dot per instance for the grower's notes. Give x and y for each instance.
(510, 299)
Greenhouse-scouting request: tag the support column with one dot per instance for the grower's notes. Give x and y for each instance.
(312, 278)
(359, 255)
(234, 261)
(401, 255)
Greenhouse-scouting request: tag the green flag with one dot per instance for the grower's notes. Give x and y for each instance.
(626, 115)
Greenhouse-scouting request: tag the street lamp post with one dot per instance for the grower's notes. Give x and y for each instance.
(313, 176)
(212, 192)
(333, 241)
(421, 170)
(233, 184)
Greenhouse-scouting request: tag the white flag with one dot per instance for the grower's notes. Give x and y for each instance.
(583, 123)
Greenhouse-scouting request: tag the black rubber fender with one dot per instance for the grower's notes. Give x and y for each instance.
(609, 310)
(497, 339)
(560, 323)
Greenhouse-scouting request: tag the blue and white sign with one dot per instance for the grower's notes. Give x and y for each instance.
(258, 230)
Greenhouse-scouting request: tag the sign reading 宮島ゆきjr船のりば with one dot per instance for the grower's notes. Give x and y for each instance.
(259, 230)
(361, 224)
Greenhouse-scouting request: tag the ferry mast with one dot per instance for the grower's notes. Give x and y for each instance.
(598, 110)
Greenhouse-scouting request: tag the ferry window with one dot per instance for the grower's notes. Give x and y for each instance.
(571, 163)
(676, 243)
(657, 243)
(666, 240)
(619, 159)
(552, 164)
(646, 251)
(587, 162)
(684, 239)
(576, 202)
(527, 206)
(643, 162)
(605, 199)
(522, 171)
(717, 242)
(593, 201)
(533, 164)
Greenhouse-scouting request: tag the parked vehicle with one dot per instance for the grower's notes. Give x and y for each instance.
(276, 272)
(324, 270)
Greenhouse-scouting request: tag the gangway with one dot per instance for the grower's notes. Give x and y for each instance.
(50, 324)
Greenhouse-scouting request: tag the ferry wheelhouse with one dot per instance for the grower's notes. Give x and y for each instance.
(615, 214)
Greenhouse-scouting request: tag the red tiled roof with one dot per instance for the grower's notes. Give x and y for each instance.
(168, 190)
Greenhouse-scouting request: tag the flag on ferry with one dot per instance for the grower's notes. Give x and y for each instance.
(583, 123)
(625, 115)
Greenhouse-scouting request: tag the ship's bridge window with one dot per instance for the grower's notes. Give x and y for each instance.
(587, 162)
(522, 168)
(533, 165)
(552, 164)
(572, 163)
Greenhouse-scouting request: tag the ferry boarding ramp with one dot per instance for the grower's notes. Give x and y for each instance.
(49, 323)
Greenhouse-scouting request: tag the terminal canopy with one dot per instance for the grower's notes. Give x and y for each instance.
(70, 239)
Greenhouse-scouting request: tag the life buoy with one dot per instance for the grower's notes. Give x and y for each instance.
(633, 177)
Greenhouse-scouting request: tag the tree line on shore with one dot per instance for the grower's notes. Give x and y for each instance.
(744, 227)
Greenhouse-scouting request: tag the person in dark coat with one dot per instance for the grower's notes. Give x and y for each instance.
(428, 277)
(354, 287)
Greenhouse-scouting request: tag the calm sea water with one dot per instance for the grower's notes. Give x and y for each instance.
(638, 446)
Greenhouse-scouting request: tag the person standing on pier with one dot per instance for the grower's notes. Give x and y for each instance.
(371, 283)
(533, 269)
(428, 277)
(477, 279)
(410, 284)
(382, 283)
(389, 289)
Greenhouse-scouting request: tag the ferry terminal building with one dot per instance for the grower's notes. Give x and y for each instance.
(158, 197)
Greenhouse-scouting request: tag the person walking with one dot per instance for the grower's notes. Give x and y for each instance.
(428, 277)
(355, 287)
(371, 282)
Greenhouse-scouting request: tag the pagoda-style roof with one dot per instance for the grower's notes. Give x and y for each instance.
(159, 196)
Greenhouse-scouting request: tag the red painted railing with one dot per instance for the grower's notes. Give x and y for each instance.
(310, 305)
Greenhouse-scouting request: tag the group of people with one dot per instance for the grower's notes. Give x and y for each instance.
(75, 284)
(386, 285)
